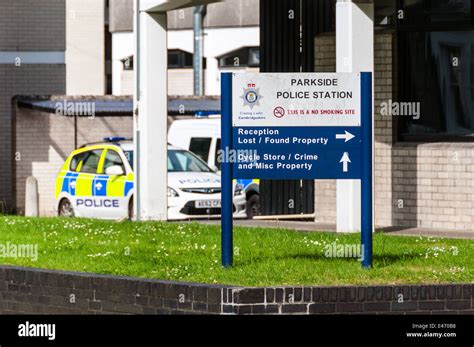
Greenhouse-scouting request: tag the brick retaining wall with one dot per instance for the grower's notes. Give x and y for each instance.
(35, 291)
(420, 299)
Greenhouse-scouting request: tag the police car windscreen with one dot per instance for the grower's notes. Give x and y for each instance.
(184, 161)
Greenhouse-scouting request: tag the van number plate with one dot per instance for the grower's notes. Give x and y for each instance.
(208, 204)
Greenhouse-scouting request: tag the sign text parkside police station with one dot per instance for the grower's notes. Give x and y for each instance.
(297, 126)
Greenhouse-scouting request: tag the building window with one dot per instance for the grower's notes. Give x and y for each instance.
(108, 59)
(385, 13)
(178, 59)
(436, 12)
(243, 57)
(436, 70)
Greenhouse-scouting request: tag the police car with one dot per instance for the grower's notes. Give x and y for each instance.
(96, 181)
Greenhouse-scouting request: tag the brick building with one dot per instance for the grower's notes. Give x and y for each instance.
(423, 54)
(45, 139)
(417, 184)
(46, 47)
(231, 43)
(71, 47)
(30, 63)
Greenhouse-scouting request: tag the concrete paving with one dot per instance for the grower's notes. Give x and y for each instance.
(316, 227)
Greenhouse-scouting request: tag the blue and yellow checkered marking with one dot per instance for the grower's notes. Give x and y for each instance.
(128, 187)
(99, 185)
(69, 183)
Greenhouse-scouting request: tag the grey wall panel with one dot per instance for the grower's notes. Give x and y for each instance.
(229, 13)
(121, 15)
(32, 25)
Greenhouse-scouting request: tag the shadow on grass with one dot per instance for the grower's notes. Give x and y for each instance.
(381, 260)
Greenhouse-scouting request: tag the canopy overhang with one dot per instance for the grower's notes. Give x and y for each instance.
(157, 6)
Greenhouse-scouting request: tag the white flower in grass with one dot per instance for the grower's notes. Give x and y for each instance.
(456, 269)
(454, 250)
(100, 255)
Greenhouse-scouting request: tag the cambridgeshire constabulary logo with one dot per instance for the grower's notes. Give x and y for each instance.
(251, 96)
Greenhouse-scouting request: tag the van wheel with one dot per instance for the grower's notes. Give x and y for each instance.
(253, 206)
(65, 209)
(130, 209)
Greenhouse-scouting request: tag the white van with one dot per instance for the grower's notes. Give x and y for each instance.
(202, 136)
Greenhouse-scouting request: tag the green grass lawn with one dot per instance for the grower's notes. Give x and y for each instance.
(191, 252)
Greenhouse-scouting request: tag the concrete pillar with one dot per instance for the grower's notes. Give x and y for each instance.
(150, 120)
(151, 105)
(31, 197)
(355, 53)
(85, 54)
(212, 77)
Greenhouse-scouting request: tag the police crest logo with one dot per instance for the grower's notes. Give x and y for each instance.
(251, 95)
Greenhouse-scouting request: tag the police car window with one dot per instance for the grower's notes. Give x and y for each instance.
(200, 146)
(91, 161)
(184, 161)
(76, 160)
(112, 158)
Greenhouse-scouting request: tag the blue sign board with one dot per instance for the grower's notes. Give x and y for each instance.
(297, 126)
(297, 153)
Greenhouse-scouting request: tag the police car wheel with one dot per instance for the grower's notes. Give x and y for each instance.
(65, 208)
(253, 206)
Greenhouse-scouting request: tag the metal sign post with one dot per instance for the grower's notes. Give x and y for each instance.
(367, 193)
(297, 126)
(226, 171)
